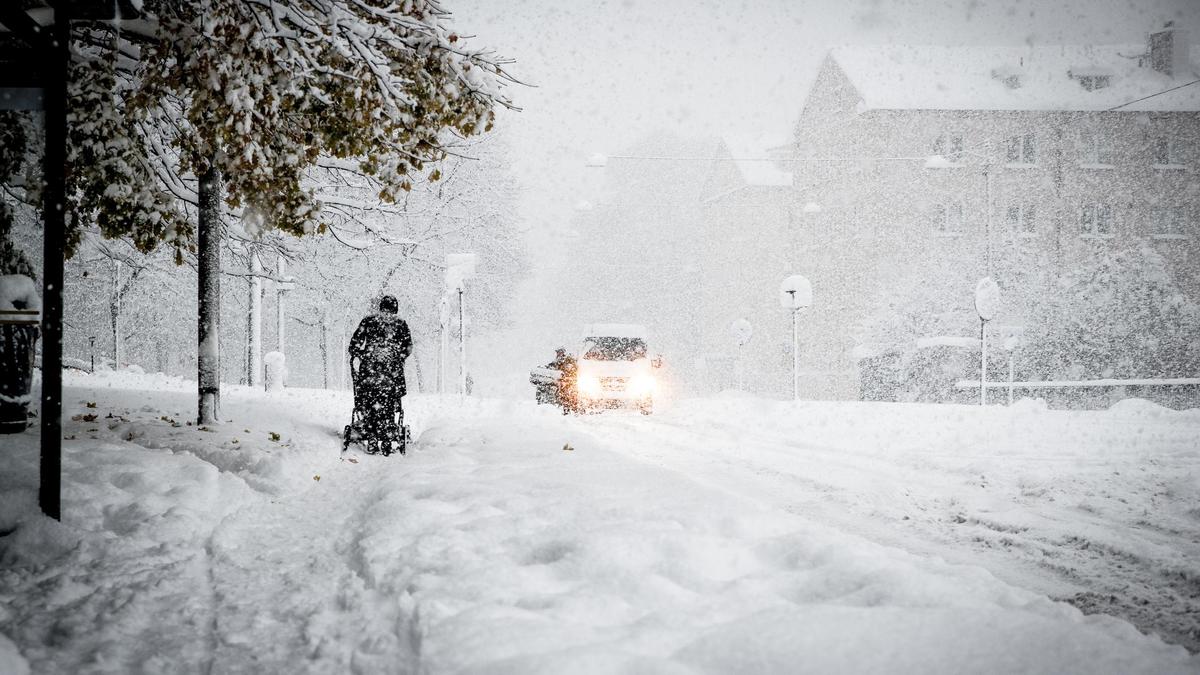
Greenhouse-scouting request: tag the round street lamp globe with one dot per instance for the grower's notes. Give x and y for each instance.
(987, 298)
(795, 293)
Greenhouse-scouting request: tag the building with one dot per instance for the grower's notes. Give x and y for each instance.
(919, 170)
(913, 172)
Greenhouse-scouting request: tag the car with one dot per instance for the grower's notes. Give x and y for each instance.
(615, 368)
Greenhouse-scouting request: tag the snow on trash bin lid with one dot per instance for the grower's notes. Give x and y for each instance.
(19, 300)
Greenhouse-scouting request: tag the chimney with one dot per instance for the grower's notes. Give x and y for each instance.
(1169, 50)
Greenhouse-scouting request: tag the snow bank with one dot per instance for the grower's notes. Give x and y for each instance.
(510, 539)
(130, 377)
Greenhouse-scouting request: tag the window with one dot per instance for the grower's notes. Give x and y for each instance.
(1022, 218)
(1166, 151)
(949, 146)
(605, 348)
(1091, 79)
(1096, 220)
(1021, 149)
(1094, 82)
(948, 218)
(1095, 148)
(1168, 223)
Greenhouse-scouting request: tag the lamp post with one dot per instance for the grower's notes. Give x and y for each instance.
(795, 293)
(459, 268)
(987, 302)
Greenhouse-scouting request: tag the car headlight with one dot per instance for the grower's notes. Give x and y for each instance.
(642, 385)
(589, 384)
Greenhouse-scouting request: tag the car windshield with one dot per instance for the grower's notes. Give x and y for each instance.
(614, 349)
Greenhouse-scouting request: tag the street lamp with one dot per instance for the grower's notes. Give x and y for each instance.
(987, 302)
(795, 293)
(459, 268)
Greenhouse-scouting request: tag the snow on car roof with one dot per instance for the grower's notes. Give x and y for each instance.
(906, 77)
(621, 330)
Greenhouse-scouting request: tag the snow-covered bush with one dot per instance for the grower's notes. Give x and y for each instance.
(1122, 316)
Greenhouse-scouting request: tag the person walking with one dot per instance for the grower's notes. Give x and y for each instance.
(378, 349)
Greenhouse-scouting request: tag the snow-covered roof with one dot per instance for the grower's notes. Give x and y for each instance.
(1014, 78)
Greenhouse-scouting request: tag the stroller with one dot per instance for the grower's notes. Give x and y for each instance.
(377, 421)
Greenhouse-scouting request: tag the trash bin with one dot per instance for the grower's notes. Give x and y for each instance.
(20, 314)
(18, 337)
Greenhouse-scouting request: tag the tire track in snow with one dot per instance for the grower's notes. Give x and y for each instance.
(1043, 554)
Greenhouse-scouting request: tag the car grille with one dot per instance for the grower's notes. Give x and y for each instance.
(613, 383)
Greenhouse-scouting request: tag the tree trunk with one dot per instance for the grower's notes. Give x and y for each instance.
(254, 360)
(325, 354)
(114, 310)
(208, 255)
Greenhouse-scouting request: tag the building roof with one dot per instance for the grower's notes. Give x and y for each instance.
(1046, 78)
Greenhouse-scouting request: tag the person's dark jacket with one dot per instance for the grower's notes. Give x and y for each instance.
(381, 344)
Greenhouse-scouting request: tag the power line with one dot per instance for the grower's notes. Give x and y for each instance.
(1165, 91)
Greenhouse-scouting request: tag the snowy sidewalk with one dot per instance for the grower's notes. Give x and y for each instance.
(510, 540)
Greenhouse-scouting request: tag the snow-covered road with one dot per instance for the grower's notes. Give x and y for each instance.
(720, 536)
(1101, 509)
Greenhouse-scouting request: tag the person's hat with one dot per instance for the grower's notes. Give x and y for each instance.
(388, 304)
